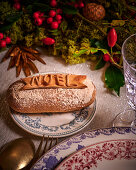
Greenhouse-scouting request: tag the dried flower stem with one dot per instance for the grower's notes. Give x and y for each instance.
(111, 57)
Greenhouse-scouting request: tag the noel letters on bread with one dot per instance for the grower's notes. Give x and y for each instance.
(54, 81)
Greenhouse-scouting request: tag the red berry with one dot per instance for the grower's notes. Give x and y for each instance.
(112, 37)
(2, 43)
(49, 20)
(54, 25)
(58, 17)
(81, 5)
(8, 40)
(48, 41)
(106, 57)
(76, 5)
(1, 35)
(52, 13)
(59, 21)
(38, 21)
(41, 14)
(17, 6)
(36, 14)
(59, 11)
(116, 59)
(53, 3)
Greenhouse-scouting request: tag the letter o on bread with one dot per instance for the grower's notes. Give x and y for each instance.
(55, 94)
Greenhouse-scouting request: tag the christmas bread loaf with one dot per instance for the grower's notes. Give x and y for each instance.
(51, 93)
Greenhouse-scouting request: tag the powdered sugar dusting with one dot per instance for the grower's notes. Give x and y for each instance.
(55, 99)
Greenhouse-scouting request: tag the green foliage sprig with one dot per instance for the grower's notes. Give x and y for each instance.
(77, 39)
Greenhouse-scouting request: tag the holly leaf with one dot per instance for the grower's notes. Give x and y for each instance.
(10, 19)
(54, 32)
(104, 51)
(94, 50)
(42, 6)
(5, 27)
(100, 63)
(92, 42)
(79, 53)
(68, 9)
(114, 78)
(101, 44)
(29, 9)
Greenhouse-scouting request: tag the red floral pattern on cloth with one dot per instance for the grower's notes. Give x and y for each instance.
(90, 156)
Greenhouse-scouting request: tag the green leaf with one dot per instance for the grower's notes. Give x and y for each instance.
(79, 53)
(5, 27)
(102, 44)
(10, 19)
(92, 42)
(54, 32)
(100, 63)
(68, 9)
(94, 50)
(29, 9)
(114, 78)
(41, 6)
(104, 51)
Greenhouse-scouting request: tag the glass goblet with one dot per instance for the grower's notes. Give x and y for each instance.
(128, 116)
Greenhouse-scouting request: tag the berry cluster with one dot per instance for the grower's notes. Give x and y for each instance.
(4, 41)
(17, 5)
(54, 18)
(38, 17)
(106, 57)
(53, 3)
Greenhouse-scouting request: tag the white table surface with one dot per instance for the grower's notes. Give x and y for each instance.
(108, 104)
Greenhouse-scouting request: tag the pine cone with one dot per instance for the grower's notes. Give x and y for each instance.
(94, 12)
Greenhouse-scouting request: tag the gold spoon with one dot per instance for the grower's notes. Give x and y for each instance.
(16, 154)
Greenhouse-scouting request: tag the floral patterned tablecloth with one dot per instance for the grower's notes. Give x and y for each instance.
(107, 107)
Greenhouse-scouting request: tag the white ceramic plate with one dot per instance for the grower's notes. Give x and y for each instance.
(55, 125)
(114, 154)
(94, 139)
